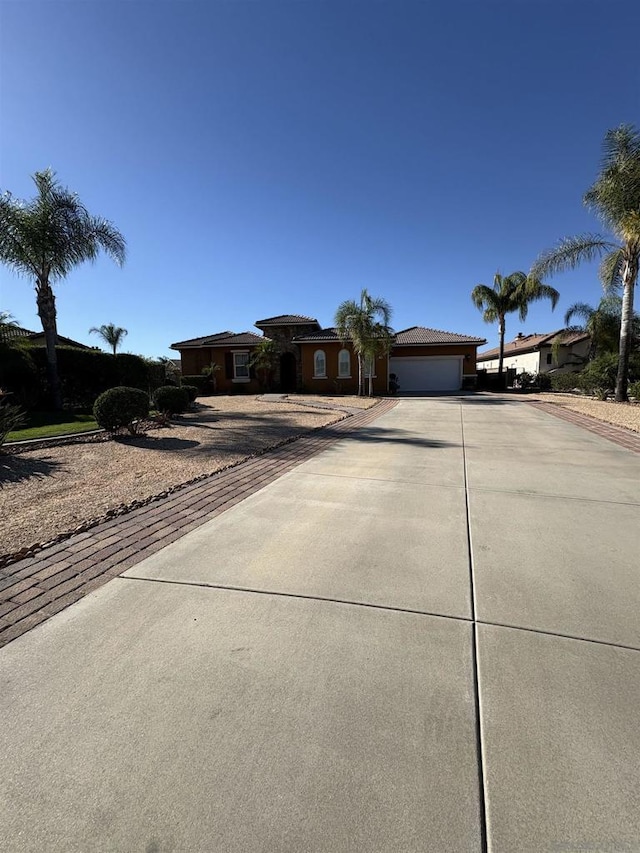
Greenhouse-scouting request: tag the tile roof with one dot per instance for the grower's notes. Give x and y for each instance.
(422, 335)
(329, 334)
(287, 320)
(530, 343)
(9, 331)
(221, 339)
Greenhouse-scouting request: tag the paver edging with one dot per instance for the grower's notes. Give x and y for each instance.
(621, 436)
(59, 575)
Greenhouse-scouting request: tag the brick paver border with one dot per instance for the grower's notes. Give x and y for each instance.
(619, 435)
(35, 588)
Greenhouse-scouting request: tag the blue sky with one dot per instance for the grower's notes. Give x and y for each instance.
(270, 157)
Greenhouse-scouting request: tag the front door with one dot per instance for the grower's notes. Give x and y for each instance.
(288, 372)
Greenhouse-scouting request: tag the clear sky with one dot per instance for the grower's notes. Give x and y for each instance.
(274, 156)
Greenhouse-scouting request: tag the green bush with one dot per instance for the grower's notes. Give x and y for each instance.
(171, 399)
(202, 383)
(121, 407)
(634, 390)
(542, 381)
(192, 391)
(11, 418)
(565, 381)
(599, 376)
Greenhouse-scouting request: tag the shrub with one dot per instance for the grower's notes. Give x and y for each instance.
(565, 381)
(203, 384)
(11, 417)
(192, 391)
(542, 381)
(634, 390)
(524, 380)
(599, 376)
(171, 399)
(121, 407)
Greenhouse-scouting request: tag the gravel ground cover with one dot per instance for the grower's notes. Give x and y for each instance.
(620, 414)
(52, 490)
(348, 401)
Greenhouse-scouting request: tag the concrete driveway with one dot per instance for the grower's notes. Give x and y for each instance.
(425, 638)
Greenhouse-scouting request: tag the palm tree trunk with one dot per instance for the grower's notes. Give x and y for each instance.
(360, 379)
(630, 276)
(47, 312)
(501, 355)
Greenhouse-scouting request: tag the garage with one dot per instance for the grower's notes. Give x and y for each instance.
(427, 373)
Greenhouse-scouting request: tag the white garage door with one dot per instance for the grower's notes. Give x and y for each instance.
(427, 373)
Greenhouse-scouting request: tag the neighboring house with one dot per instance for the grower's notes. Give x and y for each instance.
(10, 332)
(535, 353)
(316, 360)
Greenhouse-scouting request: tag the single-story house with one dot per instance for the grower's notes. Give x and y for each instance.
(535, 353)
(11, 332)
(316, 360)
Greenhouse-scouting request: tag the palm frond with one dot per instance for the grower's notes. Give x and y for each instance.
(569, 253)
(578, 309)
(610, 272)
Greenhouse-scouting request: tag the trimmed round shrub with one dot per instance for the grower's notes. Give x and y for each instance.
(192, 391)
(171, 399)
(120, 407)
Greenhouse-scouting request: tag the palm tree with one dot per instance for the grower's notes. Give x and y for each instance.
(366, 325)
(615, 199)
(44, 239)
(602, 324)
(110, 334)
(509, 294)
(264, 361)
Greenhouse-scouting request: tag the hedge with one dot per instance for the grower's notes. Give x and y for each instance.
(202, 383)
(84, 374)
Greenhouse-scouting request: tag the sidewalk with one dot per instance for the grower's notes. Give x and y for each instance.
(34, 589)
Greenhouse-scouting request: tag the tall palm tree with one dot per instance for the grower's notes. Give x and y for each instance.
(366, 326)
(615, 199)
(110, 334)
(509, 294)
(44, 239)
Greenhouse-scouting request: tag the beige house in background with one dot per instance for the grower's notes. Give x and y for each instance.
(535, 353)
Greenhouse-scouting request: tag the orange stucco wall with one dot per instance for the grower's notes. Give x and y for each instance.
(334, 384)
(193, 360)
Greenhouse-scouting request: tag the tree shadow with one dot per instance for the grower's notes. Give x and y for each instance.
(15, 468)
(381, 435)
(162, 443)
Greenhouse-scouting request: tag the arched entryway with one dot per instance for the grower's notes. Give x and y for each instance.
(287, 372)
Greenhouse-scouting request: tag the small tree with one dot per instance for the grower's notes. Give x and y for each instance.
(110, 334)
(264, 360)
(366, 326)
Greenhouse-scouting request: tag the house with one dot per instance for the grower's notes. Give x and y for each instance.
(316, 360)
(10, 332)
(535, 353)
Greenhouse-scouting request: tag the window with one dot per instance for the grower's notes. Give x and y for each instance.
(241, 367)
(344, 364)
(319, 364)
(549, 358)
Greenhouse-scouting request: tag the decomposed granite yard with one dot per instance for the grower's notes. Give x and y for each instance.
(53, 490)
